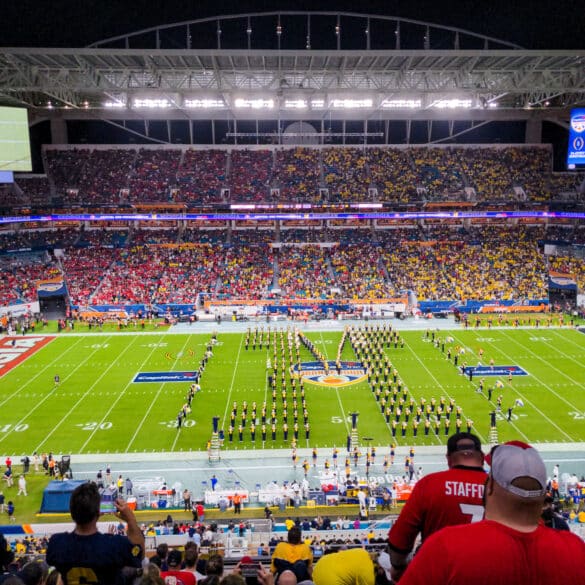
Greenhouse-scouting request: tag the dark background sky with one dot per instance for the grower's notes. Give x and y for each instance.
(534, 24)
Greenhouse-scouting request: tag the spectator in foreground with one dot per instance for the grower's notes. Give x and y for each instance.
(550, 517)
(346, 566)
(6, 556)
(213, 570)
(509, 545)
(191, 557)
(174, 575)
(294, 555)
(445, 498)
(87, 555)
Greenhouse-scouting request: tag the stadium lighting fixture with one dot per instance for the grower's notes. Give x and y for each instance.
(151, 103)
(255, 104)
(406, 104)
(204, 103)
(296, 104)
(317, 104)
(452, 104)
(351, 104)
(114, 104)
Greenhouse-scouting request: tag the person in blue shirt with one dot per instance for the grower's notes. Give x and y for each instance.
(88, 556)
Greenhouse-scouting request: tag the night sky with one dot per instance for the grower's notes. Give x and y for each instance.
(534, 24)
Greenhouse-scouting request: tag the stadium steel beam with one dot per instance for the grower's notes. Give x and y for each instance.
(506, 78)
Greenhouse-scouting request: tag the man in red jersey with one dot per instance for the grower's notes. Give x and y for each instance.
(445, 498)
(510, 545)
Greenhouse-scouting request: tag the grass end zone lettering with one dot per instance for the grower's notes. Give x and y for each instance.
(14, 350)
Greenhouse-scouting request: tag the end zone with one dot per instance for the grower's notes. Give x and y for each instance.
(14, 350)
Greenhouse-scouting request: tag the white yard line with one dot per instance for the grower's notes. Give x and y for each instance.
(49, 366)
(177, 434)
(228, 399)
(50, 394)
(152, 402)
(536, 356)
(343, 414)
(97, 426)
(440, 386)
(88, 391)
(567, 356)
(512, 423)
(525, 398)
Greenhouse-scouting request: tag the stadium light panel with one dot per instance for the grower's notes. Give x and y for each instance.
(114, 105)
(255, 104)
(299, 104)
(452, 104)
(402, 104)
(204, 103)
(151, 103)
(351, 104)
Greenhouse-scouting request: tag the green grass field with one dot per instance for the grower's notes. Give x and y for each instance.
(97, 408)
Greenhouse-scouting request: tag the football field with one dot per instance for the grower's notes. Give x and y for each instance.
(100, 406)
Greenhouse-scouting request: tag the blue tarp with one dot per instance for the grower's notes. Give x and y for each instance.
(57, 495)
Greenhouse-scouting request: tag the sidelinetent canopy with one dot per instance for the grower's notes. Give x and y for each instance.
(57, 495)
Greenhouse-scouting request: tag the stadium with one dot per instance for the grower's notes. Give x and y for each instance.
(287, 248)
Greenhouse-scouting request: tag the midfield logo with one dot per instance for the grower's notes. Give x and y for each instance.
(347, 374)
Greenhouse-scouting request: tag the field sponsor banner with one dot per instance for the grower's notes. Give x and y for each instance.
(160, 377)
(481, 371)
(14, 350)
(542, 308)
(20, 309)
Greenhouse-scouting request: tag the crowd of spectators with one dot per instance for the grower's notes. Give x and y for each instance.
(84, 269)
(146, 235)
(250, 174)
(360, 273)
(18, 240)
(82, 176)
(66, 169)
(436, 174)
(164, 265)
(204, 236)
(297, 173)
(35, 191)
(393, 174)
(202, 174)
(246, 272)
(19, 274)
(305, 272)
(249, 237)
(105, 175)
(154, 175)
(63, 237)
(346, 173)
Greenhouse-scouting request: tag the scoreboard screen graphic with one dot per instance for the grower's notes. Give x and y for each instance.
(576, 148)
(14, 141)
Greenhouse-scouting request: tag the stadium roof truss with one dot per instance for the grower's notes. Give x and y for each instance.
(113, 80)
